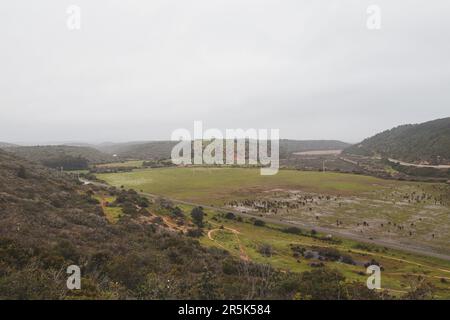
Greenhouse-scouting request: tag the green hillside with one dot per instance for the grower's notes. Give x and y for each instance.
(429, 141)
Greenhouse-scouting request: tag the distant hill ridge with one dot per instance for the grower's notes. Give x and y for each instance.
(52, 156)
(427, 142)
(162, 149)
(6, 145)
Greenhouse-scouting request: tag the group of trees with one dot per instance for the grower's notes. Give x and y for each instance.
(67, 163)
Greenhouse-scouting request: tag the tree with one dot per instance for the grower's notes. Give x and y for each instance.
(197, 215)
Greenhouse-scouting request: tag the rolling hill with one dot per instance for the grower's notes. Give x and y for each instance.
(139, 150)
(162, 149)
(69, 157)
(427, 142)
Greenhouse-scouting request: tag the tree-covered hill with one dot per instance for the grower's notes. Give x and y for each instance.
(68, 157)
(139, 150)
(425, 142)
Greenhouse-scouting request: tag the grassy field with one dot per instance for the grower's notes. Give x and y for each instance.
(218, 185)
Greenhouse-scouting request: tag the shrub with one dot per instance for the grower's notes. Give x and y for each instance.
(329, 253)
(259, 223)
(230, 216)
(229, 267)
(322, 284)
(265, 250)
(348, 259)
(177, 212)
(194, 233)
(292, 230)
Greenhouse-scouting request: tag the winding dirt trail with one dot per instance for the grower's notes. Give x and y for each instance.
(242, 254)
(173, 225)
(436, 269)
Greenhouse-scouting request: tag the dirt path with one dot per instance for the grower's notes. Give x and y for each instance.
(417, 275)
(210, 232)
(103, 203)
(173, 225)
(402, 260)
(436, 269)
(408, 164)
(242, 254)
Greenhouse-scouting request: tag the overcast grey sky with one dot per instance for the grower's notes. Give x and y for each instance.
(137, 70)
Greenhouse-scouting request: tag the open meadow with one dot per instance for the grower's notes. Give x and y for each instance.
(218, 185)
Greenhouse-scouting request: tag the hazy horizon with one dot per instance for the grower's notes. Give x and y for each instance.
(138, 71)
(99, 142)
